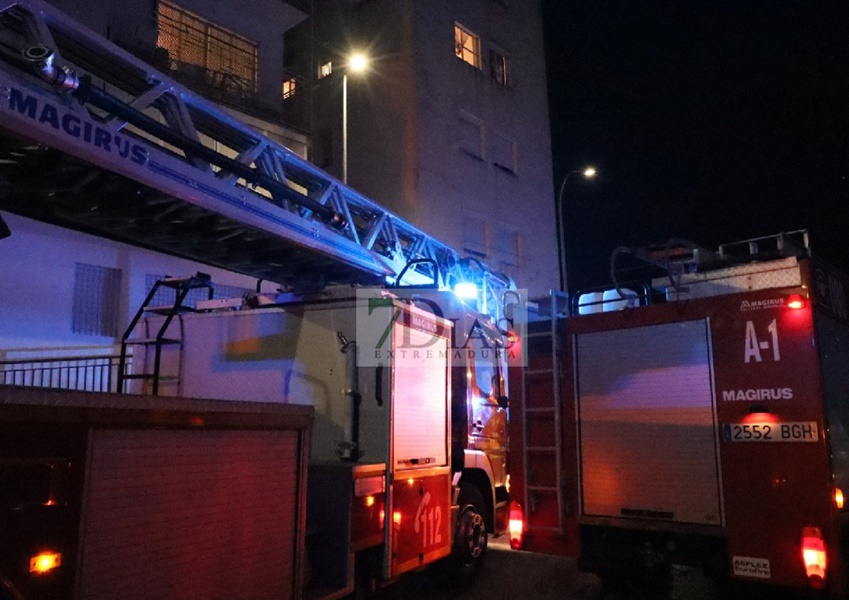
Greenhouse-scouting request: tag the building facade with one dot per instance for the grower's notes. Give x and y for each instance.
(448, 126)
(71, 293)
(448, 129)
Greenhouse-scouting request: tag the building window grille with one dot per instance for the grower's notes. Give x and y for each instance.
(97, 300)
(498, 67)
(325, 69)
(289, 87)
(191, 41)
(467, 46)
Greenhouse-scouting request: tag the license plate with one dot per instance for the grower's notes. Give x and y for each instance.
(802, 431)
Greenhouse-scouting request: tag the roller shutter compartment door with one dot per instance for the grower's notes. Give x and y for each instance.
(189, 514)
(648, 445)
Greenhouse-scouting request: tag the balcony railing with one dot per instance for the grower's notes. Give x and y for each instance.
(95, 373)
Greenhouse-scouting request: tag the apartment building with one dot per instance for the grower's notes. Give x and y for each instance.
(448, 124)
(448, 128)
(72, 292)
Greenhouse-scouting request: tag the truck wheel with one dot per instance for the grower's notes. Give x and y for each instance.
(470, 535)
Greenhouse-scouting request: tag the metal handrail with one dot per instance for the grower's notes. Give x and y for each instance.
(92, 373)
(641, 294)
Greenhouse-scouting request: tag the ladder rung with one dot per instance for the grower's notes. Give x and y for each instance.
(538, 334)
(539, 409)
(164, 310)
(139, 376)
(150, 341)
(541, 449)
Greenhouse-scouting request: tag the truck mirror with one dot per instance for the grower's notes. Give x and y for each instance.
(503, 401)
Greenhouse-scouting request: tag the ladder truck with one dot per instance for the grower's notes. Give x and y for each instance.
(696, 419)
(418, 408)
(93, 139)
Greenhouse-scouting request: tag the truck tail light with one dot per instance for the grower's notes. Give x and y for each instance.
(516, 525)
(795, 301)
(44, 562)
(838, 498)
(814, 556)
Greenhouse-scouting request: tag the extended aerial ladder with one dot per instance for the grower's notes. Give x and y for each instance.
(95, 139)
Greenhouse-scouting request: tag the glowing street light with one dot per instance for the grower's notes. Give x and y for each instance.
(357, 63)
(587, 173)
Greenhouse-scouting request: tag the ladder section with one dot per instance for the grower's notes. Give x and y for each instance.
(130, 153)
(156, 340)
(542, 422)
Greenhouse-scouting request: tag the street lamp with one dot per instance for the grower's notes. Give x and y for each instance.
(357, 63)
(587, 173)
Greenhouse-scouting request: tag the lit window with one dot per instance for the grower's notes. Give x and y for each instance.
(325, 70)
(289, 88)
(498, 67)
(471, 135)
(467, 46)
(226, 58)
(97, 300)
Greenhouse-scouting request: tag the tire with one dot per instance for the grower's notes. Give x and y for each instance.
(470, 534)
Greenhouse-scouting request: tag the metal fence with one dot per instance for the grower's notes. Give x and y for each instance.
(98, 373)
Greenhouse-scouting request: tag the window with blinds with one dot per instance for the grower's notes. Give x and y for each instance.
(97, 300)
(471, 134)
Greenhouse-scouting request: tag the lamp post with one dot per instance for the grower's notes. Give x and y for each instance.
(357, 63)
(587, 173)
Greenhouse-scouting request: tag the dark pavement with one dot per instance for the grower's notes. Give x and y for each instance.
(512, 575)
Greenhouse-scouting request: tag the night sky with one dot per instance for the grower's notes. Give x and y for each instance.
(712, 121)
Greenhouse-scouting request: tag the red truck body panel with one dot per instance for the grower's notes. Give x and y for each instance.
(167, 497)
(735, 437)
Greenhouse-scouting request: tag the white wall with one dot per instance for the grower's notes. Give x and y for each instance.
(37, 263)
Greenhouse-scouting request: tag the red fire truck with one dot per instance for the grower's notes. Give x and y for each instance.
(410, 420)
(698, 420)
